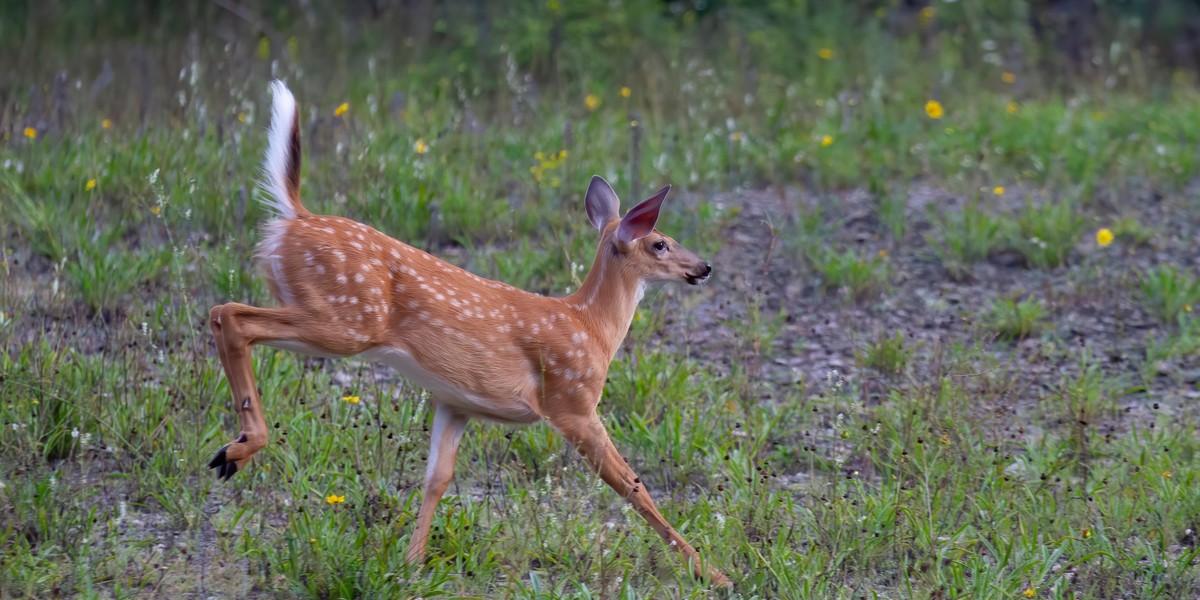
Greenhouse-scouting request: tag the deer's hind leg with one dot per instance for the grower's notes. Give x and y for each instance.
(448, 426)
(236, 329)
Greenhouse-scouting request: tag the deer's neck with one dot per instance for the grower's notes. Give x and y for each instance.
(608, 299)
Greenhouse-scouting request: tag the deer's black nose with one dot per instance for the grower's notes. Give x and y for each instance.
(707, 270)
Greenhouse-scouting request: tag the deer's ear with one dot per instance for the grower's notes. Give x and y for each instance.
(601, 203)
(640, 220)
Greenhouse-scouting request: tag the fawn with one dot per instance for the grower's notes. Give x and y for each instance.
(482, 348)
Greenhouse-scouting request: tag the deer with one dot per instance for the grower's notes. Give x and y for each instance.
(481, 348)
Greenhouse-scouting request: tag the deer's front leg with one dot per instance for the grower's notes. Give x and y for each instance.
(590, 438)
(448, 427)
(234, 350)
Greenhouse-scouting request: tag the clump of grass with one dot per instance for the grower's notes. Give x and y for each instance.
(1013, 319)
(964, 239)
(1046, 234)
(887, 354)
(104, 277)
(850, 272)
(891, 206)
(1168, 292)
(1132, 232)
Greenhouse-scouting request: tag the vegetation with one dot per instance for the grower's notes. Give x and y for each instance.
(857, 405)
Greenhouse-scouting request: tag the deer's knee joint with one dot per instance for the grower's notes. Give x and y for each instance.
(255, 439)
(214, 317)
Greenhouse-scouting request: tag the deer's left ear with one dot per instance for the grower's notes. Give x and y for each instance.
(640, 220)
(601, 202)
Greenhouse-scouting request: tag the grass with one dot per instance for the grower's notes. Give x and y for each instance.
(1168, 293)
(937, 458)
(1012, 319)
(887, 354)
(964, 238)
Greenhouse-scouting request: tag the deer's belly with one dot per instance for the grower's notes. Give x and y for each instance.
(499, 406)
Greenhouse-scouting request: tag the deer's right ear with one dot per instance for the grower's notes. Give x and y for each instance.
(601, 203)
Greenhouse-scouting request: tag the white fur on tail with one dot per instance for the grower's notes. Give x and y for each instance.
(275, 164)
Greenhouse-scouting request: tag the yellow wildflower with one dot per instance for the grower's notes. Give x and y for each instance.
(927, 15)
(420, 147)
(1166, 474)
(826, 141)
(934, 109)
(342, 109)
(91, 183)
(1008, 78)
(998, 190)
(1086, 533)
(1011, 107)
(154, 210)
(736, 136)
(1029, 592)
(334, 499)
(626, 92)
(30, 132)
(1104, 237)
(562, 154)
(241, 117)
(591, 101)
(351, 399)
(825, 53)
(105, 124)
(1187, 308)
(36, 402)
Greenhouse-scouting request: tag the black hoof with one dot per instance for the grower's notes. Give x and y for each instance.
(225, 468)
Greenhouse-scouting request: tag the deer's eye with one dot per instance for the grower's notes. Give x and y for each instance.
(660, 246)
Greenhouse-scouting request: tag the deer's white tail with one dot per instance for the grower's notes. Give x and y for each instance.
(281, 166)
